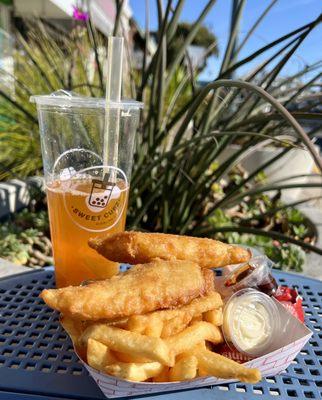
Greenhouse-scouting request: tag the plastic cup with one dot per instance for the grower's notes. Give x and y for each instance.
(86, 197)
(256, 273)
(251, 322)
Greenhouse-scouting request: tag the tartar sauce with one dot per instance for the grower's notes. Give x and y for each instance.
(250, 321)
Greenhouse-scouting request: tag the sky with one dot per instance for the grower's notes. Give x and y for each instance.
(285, 16)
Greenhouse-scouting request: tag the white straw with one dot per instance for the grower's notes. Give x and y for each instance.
(113, 94)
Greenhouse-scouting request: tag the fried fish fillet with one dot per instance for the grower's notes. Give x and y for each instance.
(138, 247)
(144, 288)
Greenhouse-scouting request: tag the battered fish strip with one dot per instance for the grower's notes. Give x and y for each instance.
(144, 288)
(139, 247)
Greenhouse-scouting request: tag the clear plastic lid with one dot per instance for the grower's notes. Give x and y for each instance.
(251, 322)
(64, 99)
(256, 273)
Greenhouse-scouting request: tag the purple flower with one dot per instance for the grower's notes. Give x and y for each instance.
(80, 15)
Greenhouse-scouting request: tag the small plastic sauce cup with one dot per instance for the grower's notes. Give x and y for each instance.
(251, 322)
(256, 274)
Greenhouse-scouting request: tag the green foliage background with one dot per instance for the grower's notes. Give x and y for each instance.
(184, 130)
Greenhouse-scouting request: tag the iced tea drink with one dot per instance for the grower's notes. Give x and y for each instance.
(87, 149)
(74, 218)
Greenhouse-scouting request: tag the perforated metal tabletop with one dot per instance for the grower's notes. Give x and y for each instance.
(37, 359)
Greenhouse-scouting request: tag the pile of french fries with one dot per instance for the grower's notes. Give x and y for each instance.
(161, 346)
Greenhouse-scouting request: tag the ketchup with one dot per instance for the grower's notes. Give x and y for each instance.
(254, 274)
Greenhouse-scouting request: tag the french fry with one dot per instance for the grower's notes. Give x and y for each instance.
(119, 323)
(221, 367)
(137, 372)
(175, 325)
(194, 334)
(151, 325)
(215, 317)
(73, 327)
(184, 369)
(152, 348)
(138, 323)
(98, 355)
(129, 358)
(154, 329)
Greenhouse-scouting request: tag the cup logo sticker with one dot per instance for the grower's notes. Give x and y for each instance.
(96, 198)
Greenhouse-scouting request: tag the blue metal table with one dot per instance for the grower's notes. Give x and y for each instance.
(37, 359)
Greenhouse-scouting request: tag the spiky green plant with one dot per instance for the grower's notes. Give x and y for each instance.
(46, 61)
(181, 135)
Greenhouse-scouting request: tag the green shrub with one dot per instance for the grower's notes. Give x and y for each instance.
(184, 129)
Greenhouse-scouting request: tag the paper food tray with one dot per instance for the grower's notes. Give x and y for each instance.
(292, 339)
